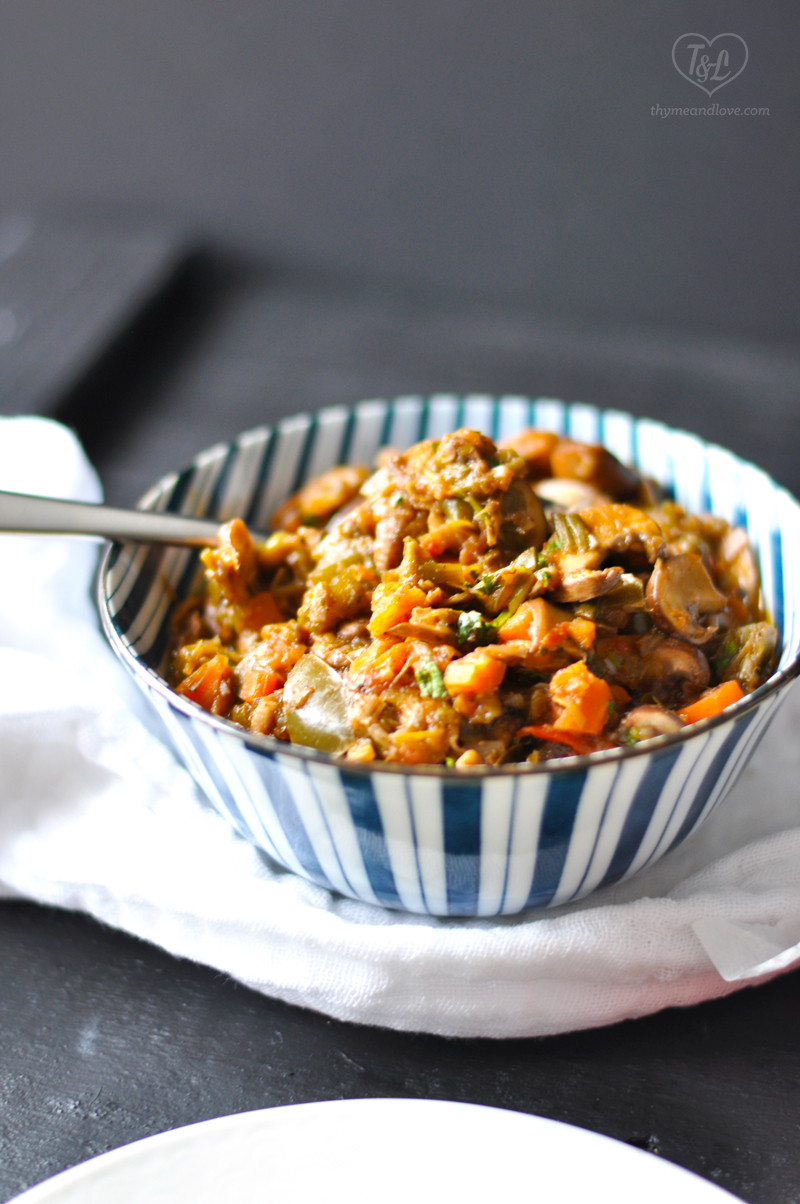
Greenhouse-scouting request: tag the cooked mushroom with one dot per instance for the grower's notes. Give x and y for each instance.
(570, 495)
(736, 558)
(673, 672)
(680, 594)
(647, 722)
(591, 583)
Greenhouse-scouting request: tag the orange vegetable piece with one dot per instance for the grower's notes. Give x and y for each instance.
(260, 610)
(210, 686)
(584, 698)
(580, 743)
(532, 621)
(536, 448)
(392, 603)
(379, 664)
(475, 673)
(712, 702)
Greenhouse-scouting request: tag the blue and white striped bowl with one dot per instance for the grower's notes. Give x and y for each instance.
(430, 839)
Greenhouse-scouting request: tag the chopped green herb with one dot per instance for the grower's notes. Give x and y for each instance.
(430, 680)
(725, 655)
(472, 627)
(488, 584)
(399, 500)
(449, 762)
(436, 445)
(612, 707)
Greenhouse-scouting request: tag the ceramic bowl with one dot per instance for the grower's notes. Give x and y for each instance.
(429, 839)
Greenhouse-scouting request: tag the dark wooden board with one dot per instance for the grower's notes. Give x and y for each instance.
(106, 1040)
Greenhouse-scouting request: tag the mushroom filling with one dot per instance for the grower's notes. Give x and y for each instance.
(473, 604)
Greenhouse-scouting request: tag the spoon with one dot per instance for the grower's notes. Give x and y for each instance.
(23, 514)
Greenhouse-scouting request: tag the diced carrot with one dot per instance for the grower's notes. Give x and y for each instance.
(619, 695)
(583, 632)
(532, 621)
(712, 702)
(258, 611)
(210, 686)
(259, 680)
(475, 673)
(379, 664)
(581, 743)
(392, 603)
(584, 698)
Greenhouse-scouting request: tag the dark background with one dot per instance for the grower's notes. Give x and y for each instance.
(505, 148)
(385, 198)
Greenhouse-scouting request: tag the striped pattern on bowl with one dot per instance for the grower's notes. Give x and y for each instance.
(429, 839)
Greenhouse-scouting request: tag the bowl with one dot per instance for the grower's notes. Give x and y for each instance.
(430, 839)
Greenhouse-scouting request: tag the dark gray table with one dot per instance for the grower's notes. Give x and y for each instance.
(104, 1039)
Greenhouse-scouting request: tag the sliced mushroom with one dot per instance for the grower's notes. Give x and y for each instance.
(680, 595)
(675, 673)
(647, 722)
(738, 559)
(591, 583)
(672, 671)
(624, 530)
(570, 495)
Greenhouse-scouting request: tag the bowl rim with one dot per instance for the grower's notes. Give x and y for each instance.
(269, 745)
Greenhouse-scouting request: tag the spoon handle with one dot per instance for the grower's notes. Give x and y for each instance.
(28, 515)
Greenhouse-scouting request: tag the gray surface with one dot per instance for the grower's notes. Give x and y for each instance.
(271, 346)
(106, 1040)
(499, 147)
(66, 293)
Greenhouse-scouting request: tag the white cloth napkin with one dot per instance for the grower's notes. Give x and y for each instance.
(96, 815)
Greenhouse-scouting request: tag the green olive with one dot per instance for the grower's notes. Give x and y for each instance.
(317, 713)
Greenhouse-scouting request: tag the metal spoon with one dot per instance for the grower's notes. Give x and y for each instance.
(23, 514)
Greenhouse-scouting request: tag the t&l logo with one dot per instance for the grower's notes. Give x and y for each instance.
(710, 63)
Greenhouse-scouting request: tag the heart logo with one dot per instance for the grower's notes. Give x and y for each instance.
(710, 63)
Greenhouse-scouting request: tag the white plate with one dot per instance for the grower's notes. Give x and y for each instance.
(381, 1151)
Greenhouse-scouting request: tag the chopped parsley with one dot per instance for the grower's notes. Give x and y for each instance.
(430, 680)
(488, 584)
(449, 762)
(472, 627)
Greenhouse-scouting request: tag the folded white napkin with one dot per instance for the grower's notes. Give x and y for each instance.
(96, 815)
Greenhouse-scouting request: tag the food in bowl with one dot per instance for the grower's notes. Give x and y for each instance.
(470, 604)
